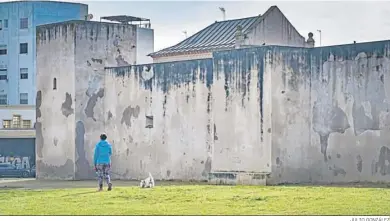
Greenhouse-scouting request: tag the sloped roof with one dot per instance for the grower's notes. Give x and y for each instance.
(218, 35)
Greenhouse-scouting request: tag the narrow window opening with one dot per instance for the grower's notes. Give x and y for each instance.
(55, 84)
(149, 122)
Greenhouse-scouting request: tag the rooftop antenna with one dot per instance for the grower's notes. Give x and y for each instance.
(185, 33)
(320, 31)
(222, 9)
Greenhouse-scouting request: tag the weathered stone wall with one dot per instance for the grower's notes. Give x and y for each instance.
(330, 113)
(98, 45)
(315, 115)
(196, 114)
(178, 120)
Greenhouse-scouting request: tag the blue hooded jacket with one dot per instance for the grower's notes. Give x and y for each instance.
(103, 151)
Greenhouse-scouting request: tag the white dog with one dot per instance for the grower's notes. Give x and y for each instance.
(148, 182)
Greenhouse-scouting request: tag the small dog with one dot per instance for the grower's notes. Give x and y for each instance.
(148, 182)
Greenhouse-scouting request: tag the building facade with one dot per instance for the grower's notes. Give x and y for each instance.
(18, 21)
(17, 44)
(271, 28)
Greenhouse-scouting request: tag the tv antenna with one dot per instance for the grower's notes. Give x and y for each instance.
(222, 9)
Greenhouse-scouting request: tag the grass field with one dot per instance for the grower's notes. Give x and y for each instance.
(198, 200)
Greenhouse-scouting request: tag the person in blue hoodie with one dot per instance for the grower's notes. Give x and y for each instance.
(102, 161)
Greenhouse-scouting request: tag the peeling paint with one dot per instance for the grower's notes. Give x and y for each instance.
(97, 60)
(38, 104)
(55, 141)
(83, 168)
(207, 167)
(39, 142)
(66, 107)
(109, 115)
(64, 172)
(128, 113)
(359, 163)
(293, 91)
(338, 171)
(92, 103)
(383, 164)
(327, 120)
(120, 61)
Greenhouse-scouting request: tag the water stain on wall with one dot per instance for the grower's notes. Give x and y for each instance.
(65, 171)
(361, 121)
(38, 104)
(383, 164)
(39, 142)
(83, 168)
(55, 141)
(128, 113)
(359, 164)
(89, 112)
(207, 167)
(338, 171)
(327, 120)
(66, 107)
(109, 115)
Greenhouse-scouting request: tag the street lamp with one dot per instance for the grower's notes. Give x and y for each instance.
(319, 31)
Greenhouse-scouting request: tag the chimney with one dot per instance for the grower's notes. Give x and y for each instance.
(310, 41)
(239, 37)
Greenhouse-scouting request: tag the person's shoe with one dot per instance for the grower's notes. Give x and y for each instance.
(100, 188)
(109, 187)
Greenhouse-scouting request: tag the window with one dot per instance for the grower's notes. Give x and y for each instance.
(24, 73)
(149, 122)
(55, 84)
(6, 123)
(3, 49)
(26, 124)
(23, 23)
(3, 99)
(23, 98)
(23, 48)
(3, 74)
(5, 23)
(16, 121)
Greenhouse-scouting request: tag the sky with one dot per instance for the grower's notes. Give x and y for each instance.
(340, 22)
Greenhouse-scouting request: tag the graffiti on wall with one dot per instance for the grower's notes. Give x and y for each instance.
(21, 162)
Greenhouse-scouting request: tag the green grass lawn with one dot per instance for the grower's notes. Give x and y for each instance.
(198, 200)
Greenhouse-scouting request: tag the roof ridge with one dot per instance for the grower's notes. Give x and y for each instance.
(236, 19)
